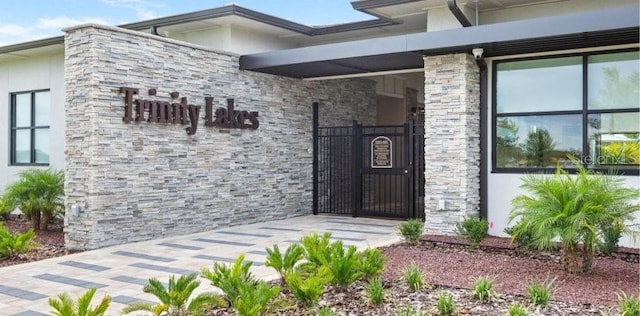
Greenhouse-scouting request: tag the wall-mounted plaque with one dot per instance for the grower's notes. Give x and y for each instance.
(381, 152)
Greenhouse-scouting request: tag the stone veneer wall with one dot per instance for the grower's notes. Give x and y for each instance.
(452, 140)
(143, 180)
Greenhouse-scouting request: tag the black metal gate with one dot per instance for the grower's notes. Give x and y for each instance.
(369, 170)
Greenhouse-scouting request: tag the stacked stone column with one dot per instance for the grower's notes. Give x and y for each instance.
(452, 141)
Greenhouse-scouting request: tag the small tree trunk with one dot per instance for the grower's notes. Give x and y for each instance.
(35, 219)
(569, 259)
(587, 259)
(44, 220)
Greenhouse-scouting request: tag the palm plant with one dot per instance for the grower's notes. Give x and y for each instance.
(64, 305)
(38, 193)
(573, 210)
(175, 299)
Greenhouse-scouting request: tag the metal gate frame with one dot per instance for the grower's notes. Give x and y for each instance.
(338, 170)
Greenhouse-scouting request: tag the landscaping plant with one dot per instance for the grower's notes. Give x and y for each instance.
(629, 305)
(284, 263)
(317, 250)
(372, 262)
(540, 292)
(254, 300)
(38, 194)
(611, 234)
(344, 265)
(411, 230)
(12, 244)
(572, 209)
(6, 206)
(408, 310)
(473, 230)
(445, 304)
(521, 237)
(414, 278)
(307, 289)
(517, 310)
(230, 278)
(64, 305)
(375, 291)
(483, 289)
(325, 311)
(175, 299)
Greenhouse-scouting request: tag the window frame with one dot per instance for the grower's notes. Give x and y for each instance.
(584, 111)
(32, 129)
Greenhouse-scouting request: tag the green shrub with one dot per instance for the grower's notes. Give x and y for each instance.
(372, 262)
(573, 210)
(12, 244)
(308, 289)
(540, 292)
(629, 305)
(344, 265)
(64, 305)
(414, 278)
(375, 291)
(411, 230)
(317, 249)
(521, 237)
(408, 310)
(231, 278)
(473, 230)
(284, 263)
(611, 234)
(254, 300)
(483, 289)
(38, 193)
(445, 304)
(325, 311)
(175, 299)
(516, 309)
(6, 206)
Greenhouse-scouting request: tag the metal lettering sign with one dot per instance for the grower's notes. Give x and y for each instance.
(381, 152)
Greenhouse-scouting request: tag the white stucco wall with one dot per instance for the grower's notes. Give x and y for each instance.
(235, 39)
(503, 187)
(32, 73)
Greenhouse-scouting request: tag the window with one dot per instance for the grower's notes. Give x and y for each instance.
(30, 112)
(550, 110)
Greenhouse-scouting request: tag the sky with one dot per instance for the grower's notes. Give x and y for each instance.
(28, 20)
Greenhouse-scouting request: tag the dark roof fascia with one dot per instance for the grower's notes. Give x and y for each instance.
(374, 4)
(32, 44)
(451, 41)
(233, 9)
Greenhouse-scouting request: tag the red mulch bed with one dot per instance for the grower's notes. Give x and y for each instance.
(51, 241)
(448, 261)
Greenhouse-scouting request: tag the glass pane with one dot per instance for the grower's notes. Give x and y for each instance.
(43, 108)
(22, 147)
(614, 82)
(614, 140)
(538, 141)
(42, 145)
(22, 109)
(539, 85)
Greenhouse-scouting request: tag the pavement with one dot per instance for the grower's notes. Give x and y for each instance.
(121, 271)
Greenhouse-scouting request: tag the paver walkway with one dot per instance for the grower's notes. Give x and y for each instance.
(121, 271)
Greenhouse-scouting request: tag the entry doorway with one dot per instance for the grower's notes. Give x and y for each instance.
(375, 171)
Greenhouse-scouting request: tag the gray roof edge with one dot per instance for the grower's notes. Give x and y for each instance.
(32, 44)
(619, 18)
(374, 4)
(231, 9)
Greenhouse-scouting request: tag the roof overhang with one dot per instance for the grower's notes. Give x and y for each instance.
(599, 28)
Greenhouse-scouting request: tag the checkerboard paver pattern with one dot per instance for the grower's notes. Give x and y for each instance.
(121, 271)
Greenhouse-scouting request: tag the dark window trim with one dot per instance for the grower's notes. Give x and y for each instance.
(584, 111)
(32, 128)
